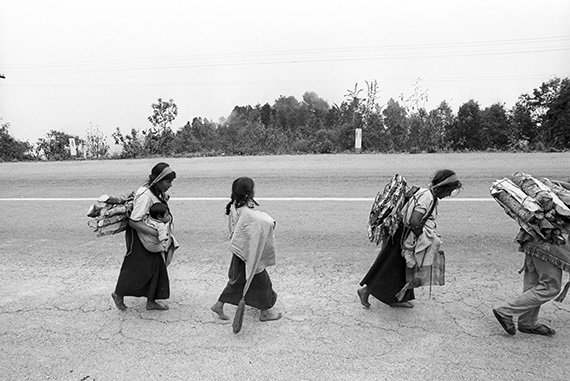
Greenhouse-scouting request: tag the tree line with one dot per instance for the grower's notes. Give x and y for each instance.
(539, 121)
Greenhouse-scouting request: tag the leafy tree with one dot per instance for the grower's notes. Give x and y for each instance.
(352, 108)
(396, 125)
(346, 118)
(266, 114)
(418, 131)
(246, 113)
(495, 127)
(546, 106)
(230, 133)
(417, 117)
(96, 143)
(205, 132)
(132, 145)
(438, 122)
(538, 101)
(523, 129)
(317, 106)
(185, 141)
(55, 146)
(251, 138)
(322, 142)
(317, 109)
(556, 121)
(12, 149)
(158, 139)
(415, 102)
(465, 132)
(291, 116)
(374, 135)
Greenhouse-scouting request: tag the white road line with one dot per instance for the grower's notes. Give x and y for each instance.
(326, 199)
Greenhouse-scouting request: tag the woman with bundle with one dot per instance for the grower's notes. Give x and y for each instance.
(143, 273)
(389, 277)
(252, 243)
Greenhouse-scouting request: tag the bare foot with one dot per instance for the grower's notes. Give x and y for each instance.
(118, 301)
(402, 305)
(219, 309)
(363, 295)
(268, 315)
(154, 305)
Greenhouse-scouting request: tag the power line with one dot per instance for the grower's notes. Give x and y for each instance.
(191, 84)
(386, 52)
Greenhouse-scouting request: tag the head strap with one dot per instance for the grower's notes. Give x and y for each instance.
(165, 172)
(449, 180)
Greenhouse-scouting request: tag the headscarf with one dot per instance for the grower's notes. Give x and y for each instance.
(165, 172)
(448, 180)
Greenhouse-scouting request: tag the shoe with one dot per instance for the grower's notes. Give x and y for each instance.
(506, 322)
(540, 329)
(402, 305)
(363, 297)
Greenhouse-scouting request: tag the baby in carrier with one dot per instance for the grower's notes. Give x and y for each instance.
(159, 219)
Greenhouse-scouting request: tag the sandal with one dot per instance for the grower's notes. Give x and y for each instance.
(540, 329)
(506, 322)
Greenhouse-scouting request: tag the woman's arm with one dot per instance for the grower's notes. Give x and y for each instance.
(143, 228)
(416, 222)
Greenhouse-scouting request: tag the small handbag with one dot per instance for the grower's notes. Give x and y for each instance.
(431, 275)
(434, 274)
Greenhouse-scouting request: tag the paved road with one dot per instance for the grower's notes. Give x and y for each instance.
(58, 322)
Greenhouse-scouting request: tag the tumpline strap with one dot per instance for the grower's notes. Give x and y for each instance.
(431, 209)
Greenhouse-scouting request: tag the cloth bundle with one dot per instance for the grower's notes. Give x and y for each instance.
(541, 208)
(110, 214)
(386, 212)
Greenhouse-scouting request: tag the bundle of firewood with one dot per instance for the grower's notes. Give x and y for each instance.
(110, 214)
(541, 208)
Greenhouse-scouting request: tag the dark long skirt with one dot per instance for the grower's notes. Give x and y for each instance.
(143, 272)
(387, 276)
(260, 293)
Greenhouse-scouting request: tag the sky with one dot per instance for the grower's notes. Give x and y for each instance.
(75, 65)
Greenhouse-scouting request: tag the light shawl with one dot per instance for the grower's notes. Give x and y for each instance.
(427, 244)
(253, 240)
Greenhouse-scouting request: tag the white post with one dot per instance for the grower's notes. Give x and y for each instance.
(72, 147)
(358, 140)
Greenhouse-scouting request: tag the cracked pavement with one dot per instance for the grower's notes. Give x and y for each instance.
(58, 322)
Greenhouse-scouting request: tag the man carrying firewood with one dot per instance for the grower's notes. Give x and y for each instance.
(545, 261)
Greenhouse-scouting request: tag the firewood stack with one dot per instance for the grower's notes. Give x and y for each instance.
(110, 214)
(541, 208)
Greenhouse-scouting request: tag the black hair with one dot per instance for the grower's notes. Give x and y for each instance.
(440, 176)
(242, 192)
(154, 173)
(158, 210)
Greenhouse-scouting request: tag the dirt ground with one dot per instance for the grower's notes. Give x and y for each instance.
(58, 322)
